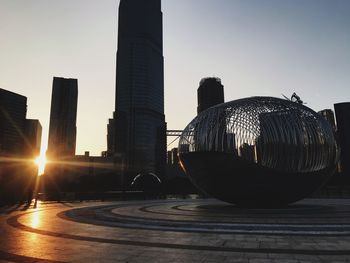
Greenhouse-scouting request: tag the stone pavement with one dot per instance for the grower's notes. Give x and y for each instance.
(205, 230)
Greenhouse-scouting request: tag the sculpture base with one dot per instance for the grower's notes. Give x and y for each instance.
(234, 180)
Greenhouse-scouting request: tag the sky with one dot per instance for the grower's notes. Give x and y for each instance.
(257, 48)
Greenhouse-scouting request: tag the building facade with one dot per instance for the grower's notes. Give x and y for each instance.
(328, 114)
(33, 132)
(17, 168)
(210, 93)
(13, 110)
(139, 126)
(63, 116)
(342, 112)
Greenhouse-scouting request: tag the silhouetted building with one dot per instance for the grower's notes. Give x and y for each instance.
(33, 132)
(86, 165)
(139, 124)
(62, 130)
(210, 93)
(17, 171)
(18, 136)
(342, 112)
(328, 114)
(13, 110)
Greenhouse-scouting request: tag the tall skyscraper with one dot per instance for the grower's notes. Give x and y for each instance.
(63, 116)
(139, 121)
(342, 112)
(210, 93)
(13, 110)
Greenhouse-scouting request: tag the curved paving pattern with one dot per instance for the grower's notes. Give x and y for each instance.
(177, 231)
(219, 218)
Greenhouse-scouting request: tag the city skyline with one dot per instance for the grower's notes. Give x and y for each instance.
(255, 48)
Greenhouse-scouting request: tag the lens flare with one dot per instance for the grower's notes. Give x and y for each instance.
(41, 162)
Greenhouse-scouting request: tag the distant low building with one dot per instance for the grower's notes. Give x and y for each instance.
(83, 173)
(86, 165)
(33, 132)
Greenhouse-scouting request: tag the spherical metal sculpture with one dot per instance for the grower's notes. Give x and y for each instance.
(258, 152)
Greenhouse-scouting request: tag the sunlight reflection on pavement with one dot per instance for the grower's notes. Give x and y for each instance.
(143, 231)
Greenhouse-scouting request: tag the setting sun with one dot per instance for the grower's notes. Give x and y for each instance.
(41, 162)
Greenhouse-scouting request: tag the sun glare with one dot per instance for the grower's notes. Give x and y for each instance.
(41, 162)
(35, 219)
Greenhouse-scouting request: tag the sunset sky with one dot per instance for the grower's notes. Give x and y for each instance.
(257, 47)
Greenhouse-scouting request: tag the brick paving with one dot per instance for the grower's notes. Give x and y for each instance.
(314, 230)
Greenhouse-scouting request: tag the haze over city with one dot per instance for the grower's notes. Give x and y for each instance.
(96, 164)
(256, 47)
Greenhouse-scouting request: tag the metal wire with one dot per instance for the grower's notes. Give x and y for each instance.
(272, 132)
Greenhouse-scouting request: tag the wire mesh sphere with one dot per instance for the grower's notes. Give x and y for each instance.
(258, 151)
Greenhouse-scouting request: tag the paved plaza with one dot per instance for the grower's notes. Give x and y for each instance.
(204, 230)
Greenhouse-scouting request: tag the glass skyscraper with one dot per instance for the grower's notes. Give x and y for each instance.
(138, 130)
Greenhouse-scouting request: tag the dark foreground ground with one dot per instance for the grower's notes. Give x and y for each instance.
(204, 230)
